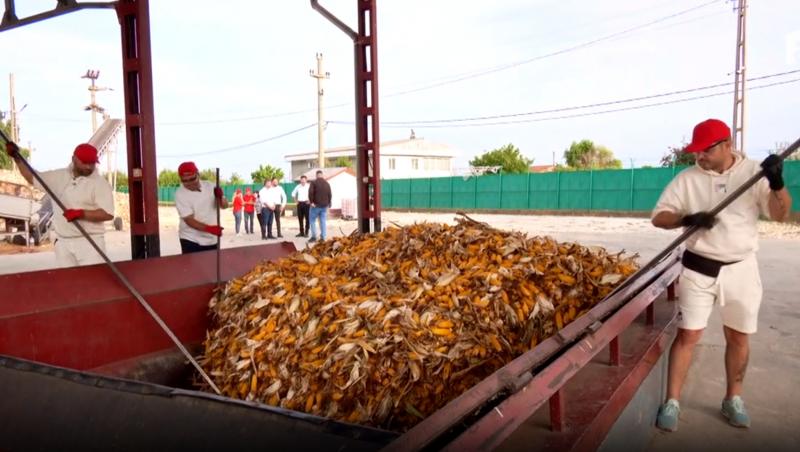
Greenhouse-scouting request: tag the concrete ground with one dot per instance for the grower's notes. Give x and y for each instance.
(770, 394)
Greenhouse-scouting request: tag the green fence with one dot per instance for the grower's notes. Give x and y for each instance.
(627, 190)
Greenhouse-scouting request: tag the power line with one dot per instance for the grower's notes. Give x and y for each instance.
(551, 54)
(241, 146)
(581, 107)
(578, 115)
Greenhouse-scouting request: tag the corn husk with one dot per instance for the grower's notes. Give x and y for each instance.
(383, 329)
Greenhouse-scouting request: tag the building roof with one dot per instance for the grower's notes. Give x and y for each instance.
(406, 147)
(541, 168)
(327, 173)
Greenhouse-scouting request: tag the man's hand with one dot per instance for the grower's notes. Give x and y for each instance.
(218, 192)
(214, 229)
(12, 149)
(73, 214)
(773, 170)
(701, 219)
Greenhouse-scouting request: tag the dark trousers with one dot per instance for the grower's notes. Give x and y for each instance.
(248, 222)
(262, 224)
(187, 246)
(302, 216)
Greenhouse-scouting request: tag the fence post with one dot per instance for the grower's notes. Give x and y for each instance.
(528, 191)
(500, 183)
(632, 192)
(452, 197)
(558, 190)
(591, 186)
(430, 192)
(409, 193)
(475, 193)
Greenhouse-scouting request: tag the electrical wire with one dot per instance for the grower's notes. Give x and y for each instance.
(241, 146)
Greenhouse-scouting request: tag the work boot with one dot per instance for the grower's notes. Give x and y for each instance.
(299, 235)
(668, 414)
(733, 410)
(312, 239)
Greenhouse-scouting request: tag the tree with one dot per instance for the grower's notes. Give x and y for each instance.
(266, 172)
(585, 154)
(122, 179)
(677, 156)
(5, 160)
(236, 179)
(508, 158)
(168, 178)
(342, 162)
(781, 146)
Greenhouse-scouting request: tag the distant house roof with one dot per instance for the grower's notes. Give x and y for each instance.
(327, 173)
(407, 147)
(541, 169)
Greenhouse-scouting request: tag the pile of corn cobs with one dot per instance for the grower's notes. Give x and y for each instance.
(384, 329)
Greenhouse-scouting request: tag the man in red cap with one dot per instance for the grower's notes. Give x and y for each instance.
(719, 262)
(197, 201)
(88, 199)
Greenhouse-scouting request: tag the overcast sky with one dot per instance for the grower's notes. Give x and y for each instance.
(229, 73)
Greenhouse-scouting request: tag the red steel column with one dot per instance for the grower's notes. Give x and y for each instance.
(367, 124)
(134, 20)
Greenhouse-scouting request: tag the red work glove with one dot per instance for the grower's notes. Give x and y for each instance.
(12, 149)
(214, 229)
(218, 192)
(73, 214)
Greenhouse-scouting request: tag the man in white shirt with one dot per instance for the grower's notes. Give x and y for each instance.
(88, 199)
(719, 263)
(274, 202)
(300, 196)
(267, 209)
(197, 201)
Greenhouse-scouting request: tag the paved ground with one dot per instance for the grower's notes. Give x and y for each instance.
(770, 391)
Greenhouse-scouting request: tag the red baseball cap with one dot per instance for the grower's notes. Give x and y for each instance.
(707, 134)
(187, 169)
(86, 153)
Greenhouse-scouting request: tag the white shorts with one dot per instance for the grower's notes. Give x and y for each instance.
(737, 290)
(77, 251)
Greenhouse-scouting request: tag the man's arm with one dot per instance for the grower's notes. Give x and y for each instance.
(96, 215)
(780, 204)
(667, 220)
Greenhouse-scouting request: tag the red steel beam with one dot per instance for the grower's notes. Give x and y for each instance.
(134, 20)
(489, 432)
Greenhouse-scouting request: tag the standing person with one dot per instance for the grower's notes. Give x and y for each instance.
(258, 207)
(238, 208)
(249, 209)
(319, 195)
(277, 199)
(720, 259)
(197, 201)
(267, 210)
(88, 199)
(300, 196)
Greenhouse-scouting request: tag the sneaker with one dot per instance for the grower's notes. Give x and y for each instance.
(312, 239)
(667, 419)
(733, 410)
(270, 237)
(299, 235)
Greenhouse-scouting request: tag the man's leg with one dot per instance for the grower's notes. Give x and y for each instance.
(737, 354)
(306, 208)
(270, 215)
(313, 213)
(680, 358)
(323, 224)
(300, 218)
(64, 256)
(278, 211)
(85, 253)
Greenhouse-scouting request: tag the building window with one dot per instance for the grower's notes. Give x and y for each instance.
(415, 164)
(391, 163)
(310, 164)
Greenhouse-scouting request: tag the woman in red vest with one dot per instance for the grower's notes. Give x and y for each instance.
(238, 205)
(249, 210)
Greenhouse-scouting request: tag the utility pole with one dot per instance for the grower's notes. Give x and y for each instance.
(13, 110)
(320, 75)
(739, 80)
(93, 107)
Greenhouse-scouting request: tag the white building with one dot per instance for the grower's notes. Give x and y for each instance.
(399, 159)
(342, 182)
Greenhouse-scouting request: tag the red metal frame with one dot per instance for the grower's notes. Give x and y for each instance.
(84, 318)
(134, 20)
(365, 42)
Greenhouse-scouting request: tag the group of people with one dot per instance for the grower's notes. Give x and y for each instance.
(267, 205)
(720, 265)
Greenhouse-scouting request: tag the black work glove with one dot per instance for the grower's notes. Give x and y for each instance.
(702, 219)
(773, 170)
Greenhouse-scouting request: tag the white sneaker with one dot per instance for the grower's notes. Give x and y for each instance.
(238, 234)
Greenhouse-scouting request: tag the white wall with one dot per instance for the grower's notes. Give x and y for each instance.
(343, 186)
(426, 167)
